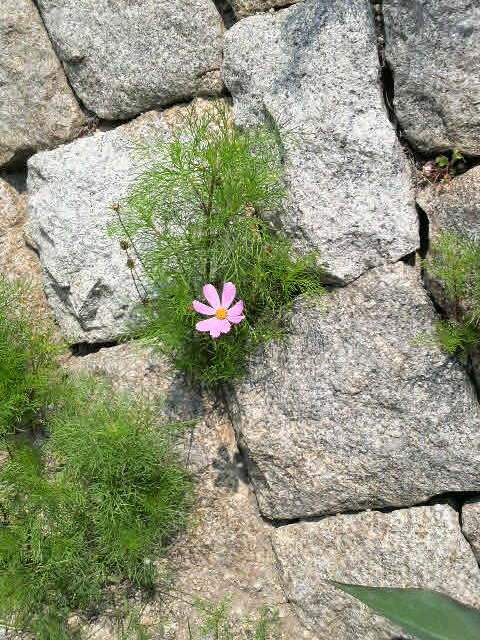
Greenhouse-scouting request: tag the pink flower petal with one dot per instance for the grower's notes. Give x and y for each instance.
(211, 295)
(236, 310)
(228, 294)
(203, 308)
(235, 319)
(206, 325)
(214, 325)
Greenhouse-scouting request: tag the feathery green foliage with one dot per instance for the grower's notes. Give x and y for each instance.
(197, 214)
(27, 358)
(455, 261)
(90, 485)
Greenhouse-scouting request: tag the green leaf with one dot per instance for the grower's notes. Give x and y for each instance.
(457, 155)
(428, 615)
(442, 161)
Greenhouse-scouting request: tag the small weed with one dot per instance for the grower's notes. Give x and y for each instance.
(217, 624)
(196, 215)
(443, 168)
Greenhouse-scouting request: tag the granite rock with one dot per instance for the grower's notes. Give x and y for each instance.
(471, 524)
(17, 259)
(311, 70)
(87, 282)
(433, 49)
(124, 58)
(352, 411)
(418, 547)
(37, 107)
(453, 206)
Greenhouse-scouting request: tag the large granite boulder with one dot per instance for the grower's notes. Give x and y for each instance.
(418, 547)
(352, 411)
(243, 8)
(433, 49)
(87, 282)
(123, 58)
(312, 71)
(37, 107)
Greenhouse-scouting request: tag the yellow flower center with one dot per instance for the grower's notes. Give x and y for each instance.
(221, 314)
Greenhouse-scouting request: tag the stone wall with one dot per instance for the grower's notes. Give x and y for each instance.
(353, 451)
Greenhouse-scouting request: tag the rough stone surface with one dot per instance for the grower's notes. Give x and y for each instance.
(352, 411)
(245, 8)
(37, 107)
(123, 58)
(419, 547)
(17, 260)
(312, 70)
(433, 49)
(227, 551)
(471, 524)
(71, 189)
(454, 206)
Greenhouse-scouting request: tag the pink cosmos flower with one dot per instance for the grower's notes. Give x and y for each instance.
(223, 315)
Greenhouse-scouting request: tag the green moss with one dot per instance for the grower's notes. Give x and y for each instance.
(197, 214)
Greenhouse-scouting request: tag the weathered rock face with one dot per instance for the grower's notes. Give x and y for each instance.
(351, 412)
(433, 49)
(419, 547)
(37, 107)
(245, 8)
(454, 206)
(71, 189)
(471, 525)
(17, 260)
(349, 182)
(128, 57)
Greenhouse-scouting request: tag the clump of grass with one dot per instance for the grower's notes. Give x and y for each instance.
(90, 486)
(197, 214)
(455, 261)
(27, 358)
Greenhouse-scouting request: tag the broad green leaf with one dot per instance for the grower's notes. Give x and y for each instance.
(442, 161)
(428, 615)
(457, 155)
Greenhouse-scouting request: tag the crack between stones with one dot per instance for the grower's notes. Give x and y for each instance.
(456, 499)
(91, 118)
(81, 349)
(226, 12)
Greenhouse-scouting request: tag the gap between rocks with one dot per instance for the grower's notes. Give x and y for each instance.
(456, 499)
(226, 12)
(81, 349)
